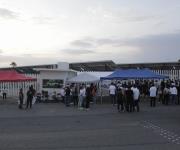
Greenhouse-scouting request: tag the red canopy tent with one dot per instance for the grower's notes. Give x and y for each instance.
(13, 76)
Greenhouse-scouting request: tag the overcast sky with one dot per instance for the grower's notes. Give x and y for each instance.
(125, 31)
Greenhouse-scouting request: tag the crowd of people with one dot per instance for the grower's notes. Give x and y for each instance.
(30, 96)
(80, 95)
(128, 95)
(125, 95)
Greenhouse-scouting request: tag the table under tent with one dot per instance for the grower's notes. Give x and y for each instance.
(132, 74)
(11, 81)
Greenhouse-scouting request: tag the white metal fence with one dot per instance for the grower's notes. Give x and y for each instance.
(12, 88)
(172, 74)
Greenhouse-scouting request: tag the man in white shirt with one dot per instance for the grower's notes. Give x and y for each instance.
(136, 95)
(62, 93)
(82, 95)
(112, 93)
(173, 93)
(153, 94)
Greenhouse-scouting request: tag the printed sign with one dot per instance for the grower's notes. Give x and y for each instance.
(49, 83)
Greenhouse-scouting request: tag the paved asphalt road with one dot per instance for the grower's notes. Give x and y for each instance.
(55, 127)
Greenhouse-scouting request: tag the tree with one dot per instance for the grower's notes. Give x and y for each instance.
(13, 64)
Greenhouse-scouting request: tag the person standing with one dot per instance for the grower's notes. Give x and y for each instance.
(62, 93)
(166, 93)
(21, 98)
(4, 93)
(75, 94)
(160, 95)
(178, 89)
(33, 93)
(120, 99)
(112, 92)
(136, 95)
(129, 99)
(93, 89)
(82, 94)
(153, 94)
(67, 95)
(88, 96)
(94, 92)
(173, 93)
(29, 98)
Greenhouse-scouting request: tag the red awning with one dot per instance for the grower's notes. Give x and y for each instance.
(13, 76)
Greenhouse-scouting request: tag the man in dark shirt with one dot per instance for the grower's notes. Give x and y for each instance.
(67, 96)
(74, 91)
(178, 90)
(120, 99)
(88, 96)
(29, 98)
(129, 99)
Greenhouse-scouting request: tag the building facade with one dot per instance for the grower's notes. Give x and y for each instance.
(170, 69)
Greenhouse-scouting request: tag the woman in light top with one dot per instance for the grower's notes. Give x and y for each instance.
(82, 94)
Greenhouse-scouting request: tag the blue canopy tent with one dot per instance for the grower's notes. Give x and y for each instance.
(133, 74)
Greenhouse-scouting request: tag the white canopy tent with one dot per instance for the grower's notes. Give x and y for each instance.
(89, 77)
(84, 78)
(98, 74)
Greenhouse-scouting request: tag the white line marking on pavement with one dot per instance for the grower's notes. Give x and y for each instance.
(170, 136)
